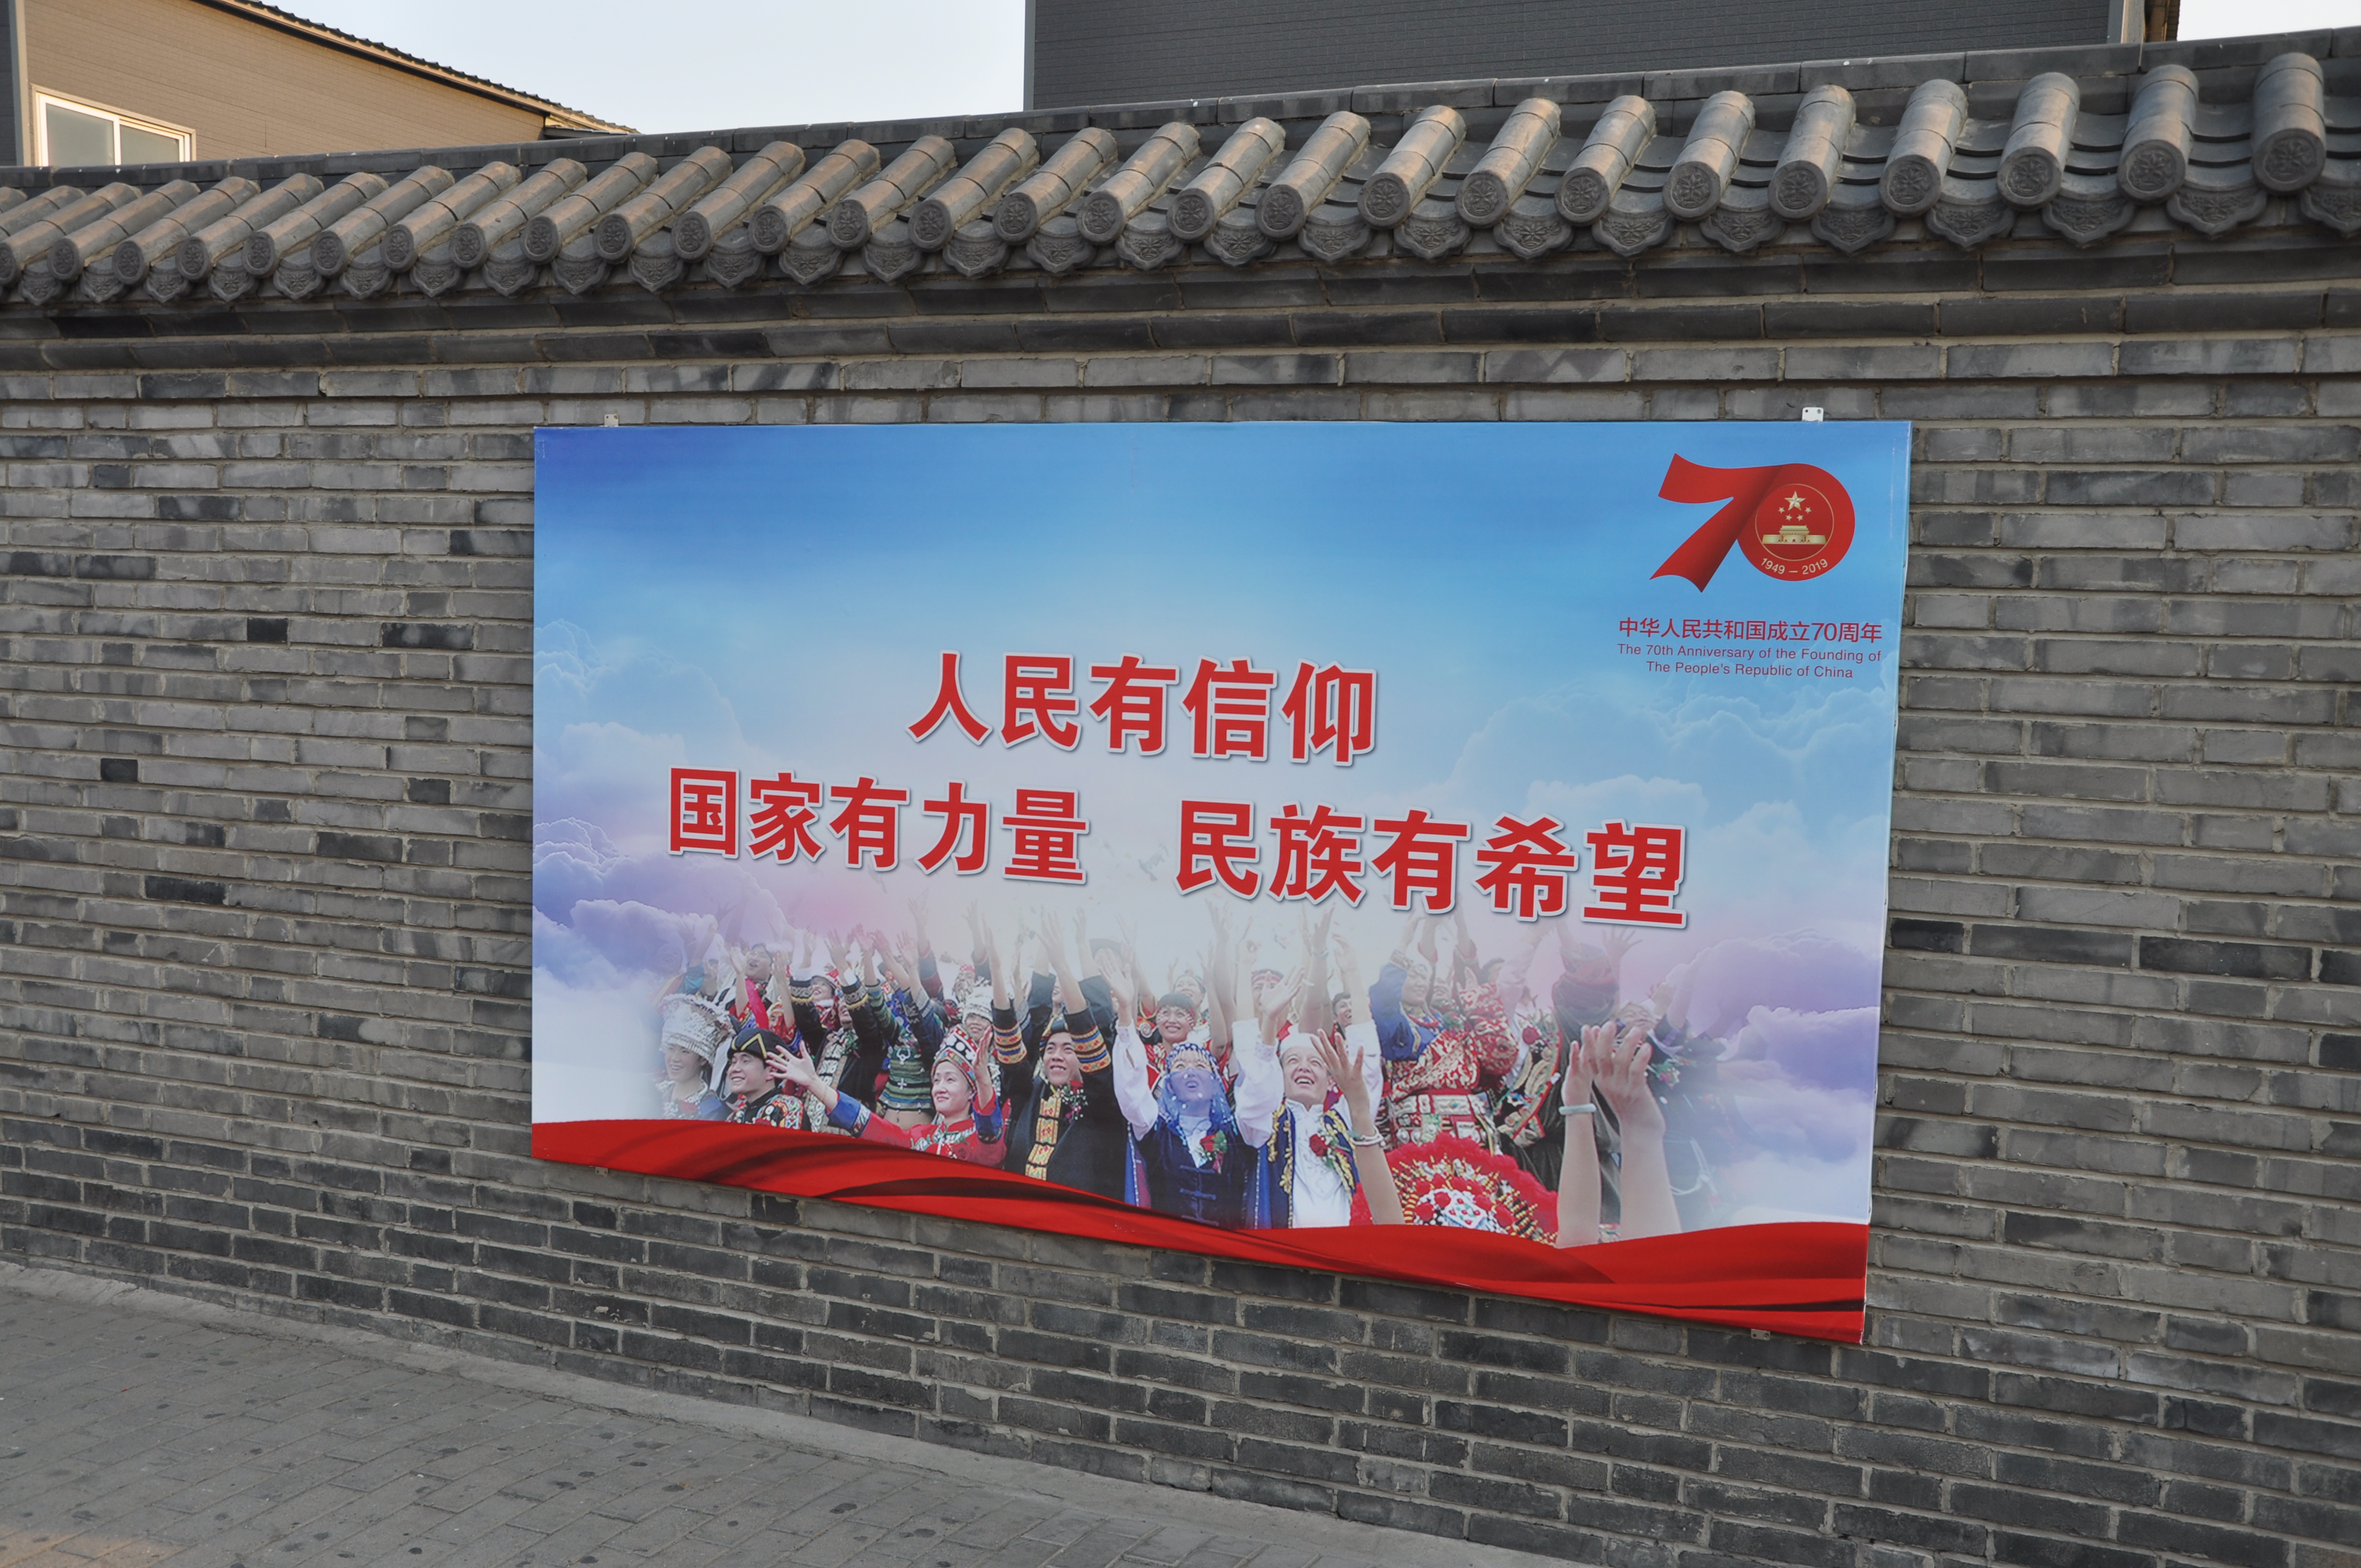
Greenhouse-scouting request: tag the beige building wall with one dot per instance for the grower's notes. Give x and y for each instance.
(246, 88)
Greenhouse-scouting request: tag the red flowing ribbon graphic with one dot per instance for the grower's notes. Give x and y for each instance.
(1797, 1277)
(1701, 556)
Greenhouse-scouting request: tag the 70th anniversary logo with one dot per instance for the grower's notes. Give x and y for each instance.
(1791, 520)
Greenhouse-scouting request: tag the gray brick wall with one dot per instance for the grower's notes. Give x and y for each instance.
(263, 920)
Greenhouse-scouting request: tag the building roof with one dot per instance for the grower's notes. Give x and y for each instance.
(1102, 51)
(2074, 149)
(562, 119)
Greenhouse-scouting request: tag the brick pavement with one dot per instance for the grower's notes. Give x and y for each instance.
(141, 1429)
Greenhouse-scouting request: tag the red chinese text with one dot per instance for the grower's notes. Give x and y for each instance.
(1694, 630)
(1422, 859)
(1217, 839)
(781, 823)
(1318, 855)
(1231, 706)
(1133, 703)
(1634, 872)
(1048, 833)
(1332, 711)
(870, 824)
(1328, 707)
(1040, 699)
(703, 811)
(951, 703)
(1529, 865)
(963, 820)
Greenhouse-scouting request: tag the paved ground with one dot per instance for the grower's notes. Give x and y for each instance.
(140, 1429)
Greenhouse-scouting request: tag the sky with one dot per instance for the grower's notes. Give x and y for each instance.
(697, 65)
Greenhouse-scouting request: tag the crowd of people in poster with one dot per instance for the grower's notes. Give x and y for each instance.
(1278, 1078)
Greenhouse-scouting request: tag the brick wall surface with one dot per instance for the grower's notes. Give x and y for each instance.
(264, 813)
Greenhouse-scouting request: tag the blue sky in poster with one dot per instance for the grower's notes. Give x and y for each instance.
(761, 599)
(1503, 554)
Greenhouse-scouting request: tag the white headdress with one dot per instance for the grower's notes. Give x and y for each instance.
(696, 1025)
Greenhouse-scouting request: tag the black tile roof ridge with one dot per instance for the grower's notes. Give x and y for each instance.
(2003, 66)
(564, 117)
(2065, 145)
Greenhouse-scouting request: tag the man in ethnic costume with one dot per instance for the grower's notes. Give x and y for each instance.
(751, 1088)
(1065, 1126)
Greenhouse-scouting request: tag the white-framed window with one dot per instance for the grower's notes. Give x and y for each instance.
(71, 134)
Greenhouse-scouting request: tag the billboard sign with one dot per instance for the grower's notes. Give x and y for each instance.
(1449, 852)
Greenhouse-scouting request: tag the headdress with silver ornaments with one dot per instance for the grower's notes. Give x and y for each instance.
(696, 1025)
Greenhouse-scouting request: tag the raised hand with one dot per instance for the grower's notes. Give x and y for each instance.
(1275, 1002)
(1617, 1067)
(1345, 1070)
(791, 1067)
(1576, 1086)
(1619, 1071)
(1119, 988)
(1316, 1014)
(987, 947)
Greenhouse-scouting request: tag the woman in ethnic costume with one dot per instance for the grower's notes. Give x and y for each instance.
(692, 1033)
(967, 1114)
(1444, 1060)
(1190, 1155)
(905, 1097)
(843, 1031)
(1321, 1142)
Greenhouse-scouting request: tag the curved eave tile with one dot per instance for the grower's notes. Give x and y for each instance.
(2071, 146)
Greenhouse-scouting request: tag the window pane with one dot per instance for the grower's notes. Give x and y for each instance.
(150, 147)
(78, 138)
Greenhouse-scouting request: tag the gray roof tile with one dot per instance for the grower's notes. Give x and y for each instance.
(2043, 148)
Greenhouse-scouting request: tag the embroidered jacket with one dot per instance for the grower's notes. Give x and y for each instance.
(704, 1106)
(849, 1057)
(976, 1138)
(774, 1107)
(1440, 1068)
(1312, 1174)
(1072, 1135)
(1210, 1171)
